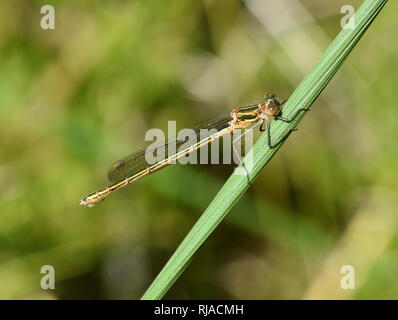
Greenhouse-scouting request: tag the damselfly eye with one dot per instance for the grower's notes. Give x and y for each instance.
(269, 95)
(272, 109)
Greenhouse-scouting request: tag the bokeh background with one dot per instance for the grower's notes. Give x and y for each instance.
(75, 99)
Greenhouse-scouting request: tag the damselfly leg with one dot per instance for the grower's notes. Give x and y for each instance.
(237, 153)
(293, 116)
(266, 125)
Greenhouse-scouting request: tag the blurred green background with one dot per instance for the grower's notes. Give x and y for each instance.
(75, 99)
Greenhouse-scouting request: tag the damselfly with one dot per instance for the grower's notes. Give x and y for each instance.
(134, 167)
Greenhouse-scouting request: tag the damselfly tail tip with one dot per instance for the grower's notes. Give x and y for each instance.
(93, 198)
(90, 200)
(85, 203)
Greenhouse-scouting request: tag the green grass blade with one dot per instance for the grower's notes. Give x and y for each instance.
(305, 94)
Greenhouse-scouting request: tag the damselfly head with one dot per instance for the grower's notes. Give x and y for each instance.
(271, 105)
